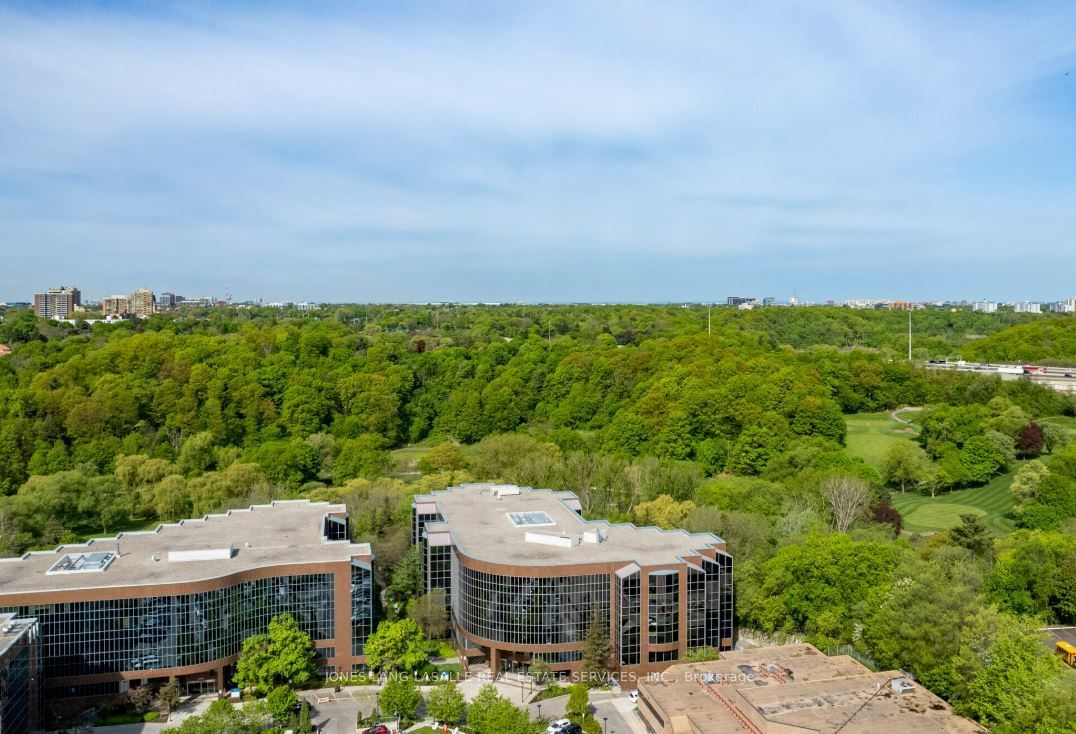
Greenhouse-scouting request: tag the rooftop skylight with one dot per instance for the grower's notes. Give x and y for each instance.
(530, 519)
(82, 563)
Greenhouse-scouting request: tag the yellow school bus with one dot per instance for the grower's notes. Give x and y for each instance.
(1067, 652)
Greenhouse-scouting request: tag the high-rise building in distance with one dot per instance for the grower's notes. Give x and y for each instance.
(115, 305)
(141, 303)
(57, 303)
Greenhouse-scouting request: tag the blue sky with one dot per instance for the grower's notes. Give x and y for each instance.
(545, 151)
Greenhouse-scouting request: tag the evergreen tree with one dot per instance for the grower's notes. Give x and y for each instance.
(597, 650)
(304, 727)
(972, 534)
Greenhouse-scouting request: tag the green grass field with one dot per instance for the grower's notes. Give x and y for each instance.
(1065, 421)
(871, 434)
(925, 514)
(405, 460)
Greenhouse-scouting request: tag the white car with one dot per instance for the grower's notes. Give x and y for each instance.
(557, 726)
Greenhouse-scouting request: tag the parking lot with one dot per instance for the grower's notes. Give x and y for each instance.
(337, 712)
(615, 711)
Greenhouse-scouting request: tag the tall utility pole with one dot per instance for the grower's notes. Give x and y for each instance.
(909, 336)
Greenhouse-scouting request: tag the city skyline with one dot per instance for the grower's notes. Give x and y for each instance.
(486, 153)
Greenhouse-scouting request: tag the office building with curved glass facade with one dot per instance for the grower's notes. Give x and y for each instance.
(178, 601)
(525, 576)
(20, 674)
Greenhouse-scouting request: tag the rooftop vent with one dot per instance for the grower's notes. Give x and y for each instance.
(595, 536)
(83, 563)
(901, 686)
(558, 539)
(204, 554)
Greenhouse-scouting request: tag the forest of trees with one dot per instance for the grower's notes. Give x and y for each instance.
(634, 408)
(1045, 341)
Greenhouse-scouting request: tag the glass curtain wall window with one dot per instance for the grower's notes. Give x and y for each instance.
(664, 607)
(115, 635)
(529, 611)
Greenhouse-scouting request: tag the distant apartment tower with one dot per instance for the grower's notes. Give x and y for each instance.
(115, 305)
(141, 303)
(738, 300)
(167, 300)
(985, 306)
(1068, 306)
(1026, 307)
(57, 303)
(769, 301)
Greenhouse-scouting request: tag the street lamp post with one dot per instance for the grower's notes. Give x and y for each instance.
(539, 712)
(605, 720)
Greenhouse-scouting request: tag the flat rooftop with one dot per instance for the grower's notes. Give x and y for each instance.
(521, 526)
(794, 686)
(278, 534)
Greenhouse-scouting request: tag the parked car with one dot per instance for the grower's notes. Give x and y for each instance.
(379, 729)
(560, 726)
(572, 729)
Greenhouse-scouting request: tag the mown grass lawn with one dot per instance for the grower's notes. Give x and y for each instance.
(871, 434)
(1065, 421)
(925, 514)
(406, 459)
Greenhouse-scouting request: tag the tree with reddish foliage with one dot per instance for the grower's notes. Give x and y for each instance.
(886, 514)
(1030, 439)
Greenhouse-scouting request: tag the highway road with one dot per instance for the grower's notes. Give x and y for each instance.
(1062, 379)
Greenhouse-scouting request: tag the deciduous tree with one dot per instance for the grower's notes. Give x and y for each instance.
(284, 654)
(430, 613)
(1030, 439)
(446, 704)
(904, 465)
(400, 696)
(847, 498)
(396, 646)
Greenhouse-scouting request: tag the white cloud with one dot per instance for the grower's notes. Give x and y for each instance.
(686, 130)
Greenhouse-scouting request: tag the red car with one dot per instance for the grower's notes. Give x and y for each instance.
(379, 729)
